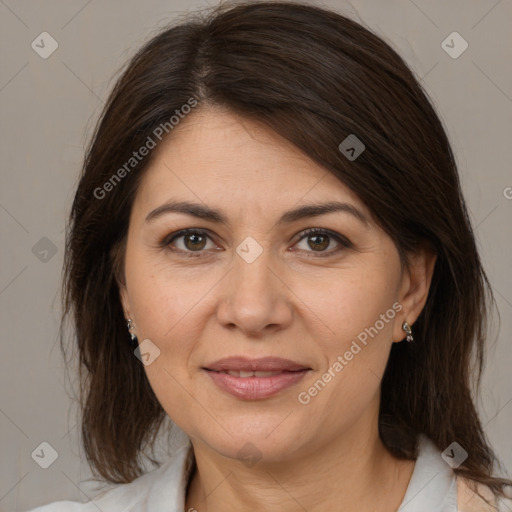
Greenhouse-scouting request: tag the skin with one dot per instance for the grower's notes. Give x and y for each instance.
(290, 302)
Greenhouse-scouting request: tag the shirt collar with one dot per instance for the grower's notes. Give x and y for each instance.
(432, 485)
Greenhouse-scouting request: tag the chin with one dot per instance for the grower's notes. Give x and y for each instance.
(268, 440)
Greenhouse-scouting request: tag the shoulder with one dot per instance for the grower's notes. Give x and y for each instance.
(149, 492)
(473, 497)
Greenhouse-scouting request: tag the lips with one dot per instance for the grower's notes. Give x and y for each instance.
(263, 364)
(244, 374)
(255, 379)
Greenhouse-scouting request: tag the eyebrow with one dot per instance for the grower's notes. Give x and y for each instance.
(206, 213)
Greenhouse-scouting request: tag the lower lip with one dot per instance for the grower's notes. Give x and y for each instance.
(256, 388)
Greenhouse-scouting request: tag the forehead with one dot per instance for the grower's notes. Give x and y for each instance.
(222, 159)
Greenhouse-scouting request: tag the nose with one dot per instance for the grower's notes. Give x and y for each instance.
(255, 298)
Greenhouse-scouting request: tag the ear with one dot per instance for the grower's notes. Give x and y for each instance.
(123, 296)
(414, 287)
(116, 258)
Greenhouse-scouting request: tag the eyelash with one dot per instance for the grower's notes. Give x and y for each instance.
(344, 242)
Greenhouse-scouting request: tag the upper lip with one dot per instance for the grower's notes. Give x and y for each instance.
(269, 364)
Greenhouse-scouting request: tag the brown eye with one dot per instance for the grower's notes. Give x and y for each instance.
(194, 241)
(318, 240)
(188, 241)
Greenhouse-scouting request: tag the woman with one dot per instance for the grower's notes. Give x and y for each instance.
(270, 211)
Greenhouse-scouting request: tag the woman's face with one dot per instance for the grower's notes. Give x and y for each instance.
(256, 286)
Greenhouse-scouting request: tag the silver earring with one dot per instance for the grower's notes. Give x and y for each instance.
(407, 328)
(129, 325)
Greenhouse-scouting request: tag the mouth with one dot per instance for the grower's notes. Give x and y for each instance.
(245, 374)
(255, 379)
(261, 364)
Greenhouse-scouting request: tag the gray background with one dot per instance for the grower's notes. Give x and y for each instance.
(48, 107)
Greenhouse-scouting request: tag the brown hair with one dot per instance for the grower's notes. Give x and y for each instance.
(314, 77)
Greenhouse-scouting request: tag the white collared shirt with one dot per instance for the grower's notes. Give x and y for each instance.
(433, 487)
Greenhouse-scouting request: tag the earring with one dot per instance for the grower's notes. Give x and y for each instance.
(407, 328)
(133, 336)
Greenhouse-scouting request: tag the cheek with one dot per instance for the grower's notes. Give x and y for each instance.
(359, 309)
(160, 299)
(356, 304)
(357, 312)
(166, 311)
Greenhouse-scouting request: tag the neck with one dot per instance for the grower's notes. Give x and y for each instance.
(351, 474)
